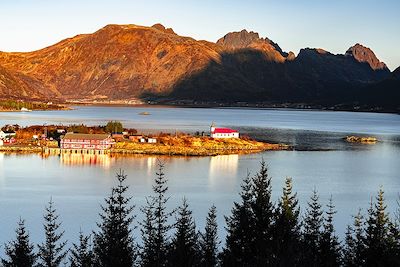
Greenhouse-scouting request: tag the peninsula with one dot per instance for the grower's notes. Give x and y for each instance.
(114, 139)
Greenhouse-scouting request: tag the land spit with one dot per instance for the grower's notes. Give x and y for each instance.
(174, 146)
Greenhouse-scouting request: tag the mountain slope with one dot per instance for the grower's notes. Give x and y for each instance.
(129, 61)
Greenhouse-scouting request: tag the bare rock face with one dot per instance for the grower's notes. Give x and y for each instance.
(237, 40)
(130, 61)
(364, 54)
(252, 40)
(161, 27)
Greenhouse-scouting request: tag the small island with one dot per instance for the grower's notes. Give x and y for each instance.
(360, 139)
(114, 139)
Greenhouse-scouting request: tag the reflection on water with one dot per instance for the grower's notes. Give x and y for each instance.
(226, 164)
(103, 161)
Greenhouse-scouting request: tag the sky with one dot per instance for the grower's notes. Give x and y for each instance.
(333, 25)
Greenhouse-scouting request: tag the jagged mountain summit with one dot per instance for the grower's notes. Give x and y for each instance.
(121, 62)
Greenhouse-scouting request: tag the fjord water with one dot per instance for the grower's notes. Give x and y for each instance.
(352, 173)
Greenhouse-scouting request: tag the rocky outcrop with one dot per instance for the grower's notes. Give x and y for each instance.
(364, 54)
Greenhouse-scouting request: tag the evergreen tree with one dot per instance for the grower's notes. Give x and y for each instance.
(82, 254)
(354, 243)
(394, 238)
(113, 244)
(377, 232)
(263, 215)
(239, 238)
(51, 251)
(330, 247)
(184, 247)
(19, 251)
(312, 232)
(286, 239)
(155, 226)
(209, 240)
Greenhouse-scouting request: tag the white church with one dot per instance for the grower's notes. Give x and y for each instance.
(223, 132)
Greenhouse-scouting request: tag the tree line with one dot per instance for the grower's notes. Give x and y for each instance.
(259, 233)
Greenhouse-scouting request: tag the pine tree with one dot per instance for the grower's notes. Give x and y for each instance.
(51, 251)
(286, 239)
(209, 240)
(239, 238)
(377, 231)
(354, 243)
(184, 246)
(113, 244)
(19, 251)
(82, 254)
(263, 212)
(312, 232)
(330, 247)
(155, 226)
(394, 238)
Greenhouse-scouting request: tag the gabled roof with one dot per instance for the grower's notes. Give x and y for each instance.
(86, 136)
(224, 130)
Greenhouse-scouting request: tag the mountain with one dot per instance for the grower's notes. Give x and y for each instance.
(363, 54)
(385, 93)
(121, 62)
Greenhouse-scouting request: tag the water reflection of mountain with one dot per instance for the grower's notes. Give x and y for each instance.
(103, 161)
(222, 171)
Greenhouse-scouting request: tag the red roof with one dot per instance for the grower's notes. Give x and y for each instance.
(224, 130)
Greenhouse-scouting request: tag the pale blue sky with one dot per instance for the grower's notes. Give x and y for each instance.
(333, 25)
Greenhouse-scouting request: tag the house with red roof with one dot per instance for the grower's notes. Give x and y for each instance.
(223, 132)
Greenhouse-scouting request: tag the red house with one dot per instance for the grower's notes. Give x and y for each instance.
(86, 141)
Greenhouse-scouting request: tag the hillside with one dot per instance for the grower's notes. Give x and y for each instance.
(120, 62)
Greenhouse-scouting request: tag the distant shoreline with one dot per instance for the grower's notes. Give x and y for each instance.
(233, 106)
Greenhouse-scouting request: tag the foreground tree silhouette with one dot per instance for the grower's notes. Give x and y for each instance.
(239, 238)
(330, 248)
(286, 240)
(377, 233)
(51, 251)
(209, 240)
(312, 232)
(184, 249)
(82, 254)
(263, 212)
(155, 226)
(20, 251)
(113, 243)
(354, 249)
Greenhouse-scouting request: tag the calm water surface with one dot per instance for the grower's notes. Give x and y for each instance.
(351, 173)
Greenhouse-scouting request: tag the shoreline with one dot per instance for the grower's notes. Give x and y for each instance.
(232, 106)
(149, 150)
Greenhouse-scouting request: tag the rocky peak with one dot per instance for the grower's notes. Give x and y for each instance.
(365, 54)
(245, 39)
(162, 28)
(237, 40)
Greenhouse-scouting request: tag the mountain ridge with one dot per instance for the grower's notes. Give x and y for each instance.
(133, 61)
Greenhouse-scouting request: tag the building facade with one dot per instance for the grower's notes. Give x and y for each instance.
(223, 132)
(86, 141)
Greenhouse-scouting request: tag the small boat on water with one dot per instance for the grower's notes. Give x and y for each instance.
(25, 110)
(144, 113)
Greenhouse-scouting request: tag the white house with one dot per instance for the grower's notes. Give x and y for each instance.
(223, 132)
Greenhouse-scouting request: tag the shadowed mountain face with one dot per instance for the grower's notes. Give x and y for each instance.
(127, 61)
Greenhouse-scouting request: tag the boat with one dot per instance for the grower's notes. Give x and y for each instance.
(144, 113)
(25, 110)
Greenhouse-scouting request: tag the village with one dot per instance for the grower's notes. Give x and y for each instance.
(114, 138)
